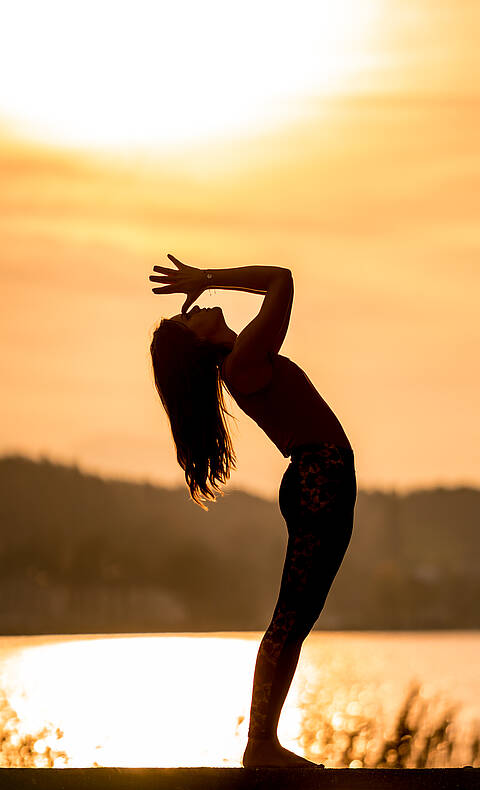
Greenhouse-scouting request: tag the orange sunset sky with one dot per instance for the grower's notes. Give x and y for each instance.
(339, 140)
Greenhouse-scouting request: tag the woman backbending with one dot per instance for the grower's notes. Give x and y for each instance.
(193, 354)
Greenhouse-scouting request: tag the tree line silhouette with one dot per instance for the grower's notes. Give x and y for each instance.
(82, 554)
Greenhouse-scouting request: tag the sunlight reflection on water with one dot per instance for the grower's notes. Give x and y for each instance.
(184, 699)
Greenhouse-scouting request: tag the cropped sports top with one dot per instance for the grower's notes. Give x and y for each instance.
(289, 409)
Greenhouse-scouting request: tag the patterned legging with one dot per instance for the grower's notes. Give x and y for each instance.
(317, 500)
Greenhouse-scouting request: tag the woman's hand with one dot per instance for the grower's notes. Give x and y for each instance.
(187, 280)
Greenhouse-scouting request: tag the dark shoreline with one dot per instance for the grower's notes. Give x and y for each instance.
(212, 778)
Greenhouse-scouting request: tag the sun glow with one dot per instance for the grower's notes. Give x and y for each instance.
(144, 700)
(158, 74)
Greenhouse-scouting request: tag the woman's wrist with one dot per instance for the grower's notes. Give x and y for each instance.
(207, 279)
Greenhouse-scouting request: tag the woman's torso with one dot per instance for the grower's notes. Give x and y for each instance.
(282, 400)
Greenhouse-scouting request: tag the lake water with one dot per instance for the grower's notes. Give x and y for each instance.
(184, 699)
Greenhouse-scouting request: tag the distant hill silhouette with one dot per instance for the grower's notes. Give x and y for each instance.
(80, 554)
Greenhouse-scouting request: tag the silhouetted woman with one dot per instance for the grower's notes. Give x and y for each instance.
(193, 354)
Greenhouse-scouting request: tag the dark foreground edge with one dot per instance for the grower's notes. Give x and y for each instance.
(223, 778)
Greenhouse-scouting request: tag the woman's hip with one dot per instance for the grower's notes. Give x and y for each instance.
(318, 484)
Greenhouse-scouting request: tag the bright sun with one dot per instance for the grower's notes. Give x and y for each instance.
(158, 73)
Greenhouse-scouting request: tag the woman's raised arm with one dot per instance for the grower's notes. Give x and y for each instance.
(193, 281)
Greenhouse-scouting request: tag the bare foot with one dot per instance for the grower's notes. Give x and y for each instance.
(263, 754)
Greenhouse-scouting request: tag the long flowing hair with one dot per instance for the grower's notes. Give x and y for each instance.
(188, 380)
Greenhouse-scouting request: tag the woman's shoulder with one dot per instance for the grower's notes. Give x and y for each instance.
(248, 380)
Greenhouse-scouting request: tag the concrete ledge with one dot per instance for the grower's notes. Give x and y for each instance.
(212, 778)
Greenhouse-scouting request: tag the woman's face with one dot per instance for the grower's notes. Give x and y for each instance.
(204, 322)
